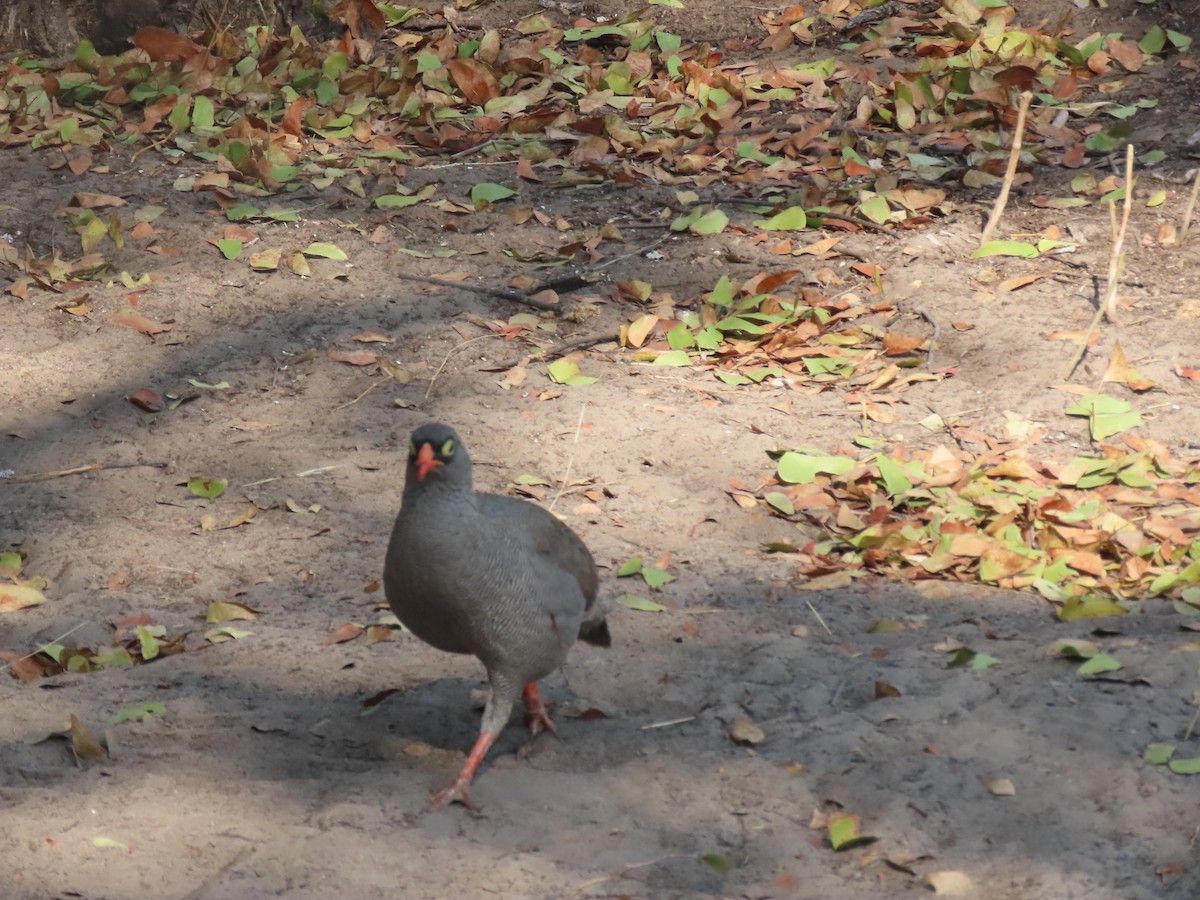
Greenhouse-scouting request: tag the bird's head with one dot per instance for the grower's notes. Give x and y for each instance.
(435, 454)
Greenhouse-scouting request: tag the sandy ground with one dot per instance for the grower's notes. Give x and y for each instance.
(281, 767)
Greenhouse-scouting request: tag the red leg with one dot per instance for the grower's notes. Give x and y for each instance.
(536, 717)
(459, 791)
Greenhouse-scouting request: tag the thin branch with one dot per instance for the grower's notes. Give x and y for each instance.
(576, 343)
(1191, 207)
(446, 359)
(79, 470)
(1014, 156)
(502, 293)
(1109, 304)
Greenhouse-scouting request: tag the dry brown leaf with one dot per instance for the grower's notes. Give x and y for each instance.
(352, 357)
(347, 632)
(89, 200)
(131, 318)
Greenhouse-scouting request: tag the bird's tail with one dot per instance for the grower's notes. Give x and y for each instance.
(594, 629)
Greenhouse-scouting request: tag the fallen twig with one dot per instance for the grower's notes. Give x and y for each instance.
(576, 343)
(1013, 156)
(446, 359)
(621, 873)
(79, 470)
(1109, 303)
(42, 647)
(503, 293)
(813, 609)
(1191, 207)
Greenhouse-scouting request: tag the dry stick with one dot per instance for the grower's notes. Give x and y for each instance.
(1191, 207)
(320, 470)
(363, 394)
(79, 470)
(570, 459)
(621, 873)
(45, 645)
(577, 343)
(819, 619)
(502, 293)
(1114, 261)
(1108, 298)
(446, 359)
(1014, 155)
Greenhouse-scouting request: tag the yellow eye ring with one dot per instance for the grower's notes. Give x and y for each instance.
(447, 448)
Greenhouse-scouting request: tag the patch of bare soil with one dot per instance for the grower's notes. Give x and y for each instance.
(277, 768)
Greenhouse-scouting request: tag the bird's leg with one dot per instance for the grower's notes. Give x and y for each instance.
(536, 717)
(459, 791)
(495, 716)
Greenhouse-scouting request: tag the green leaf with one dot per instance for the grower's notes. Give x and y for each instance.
(1076, 608)
(324, 250)
(148, 642)
(208, 488)
(711, 223)
(1006, 248)
(781, 502)
(716, 861)
(1154, 41)
(565, 371)
(397, 201)
(641, 604)
(656, 578)
(983, 661)
(145, 711)
(877, 210)
(203, 114)
(672, 358)
(240, 212)
(488, 192)
(229, 247)
(226, 633)
(219, 386)
(803, 468)
(630, 567)
(895, 482)
(1185, 766)
(680, 337)
(844, 834)
(108, 844)
(1107, 415)
(1099, 663)
(1159, 754)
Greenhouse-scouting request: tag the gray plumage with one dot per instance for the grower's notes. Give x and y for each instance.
(496, 577)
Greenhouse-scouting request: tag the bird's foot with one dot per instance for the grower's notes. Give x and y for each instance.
(537, 719)
(458, 792)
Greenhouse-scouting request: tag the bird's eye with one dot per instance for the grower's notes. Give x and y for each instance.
(448, 447)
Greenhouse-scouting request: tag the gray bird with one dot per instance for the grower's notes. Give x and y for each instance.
(494, 576)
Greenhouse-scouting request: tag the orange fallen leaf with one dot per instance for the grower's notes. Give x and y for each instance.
(347, 632)
(128, 317)
(353, 357)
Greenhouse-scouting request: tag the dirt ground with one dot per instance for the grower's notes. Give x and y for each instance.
(278, 767)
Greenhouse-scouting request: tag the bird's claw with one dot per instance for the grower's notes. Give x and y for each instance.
(458, 792)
